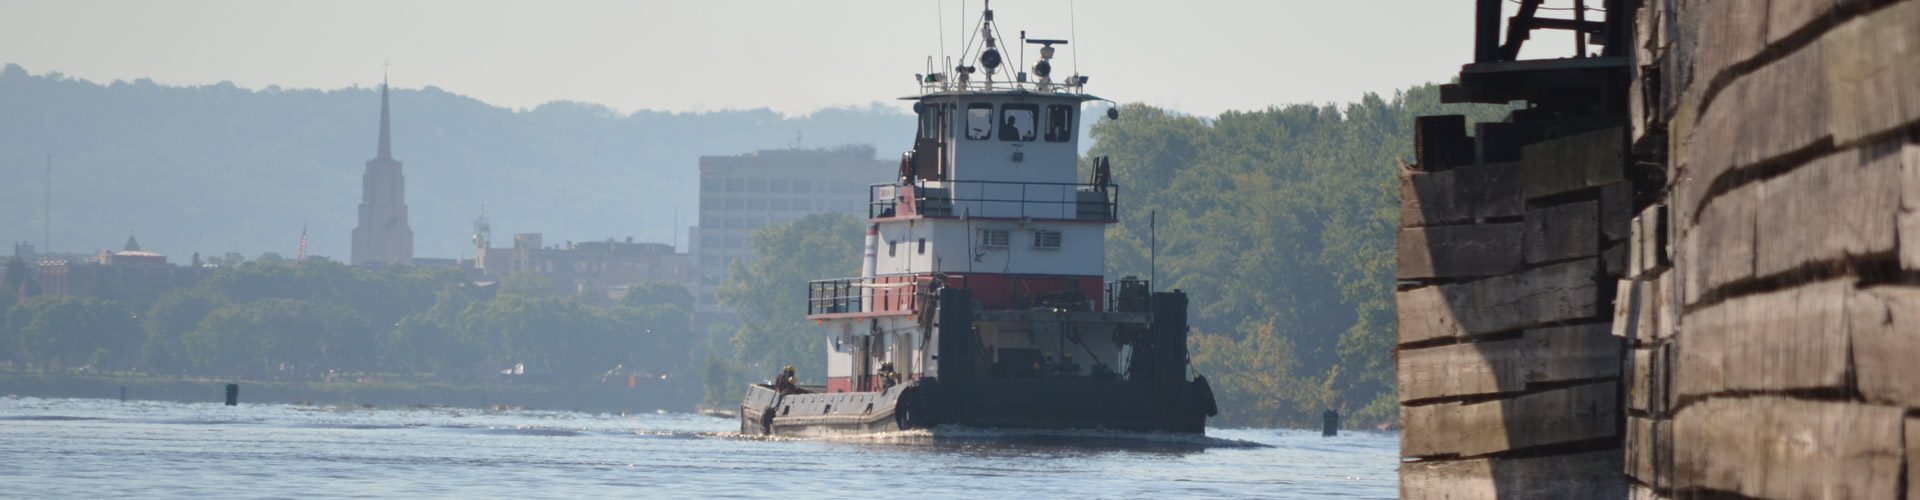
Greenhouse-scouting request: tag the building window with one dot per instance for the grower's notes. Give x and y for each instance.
(711, 241)
(757, 186)
(736, 223)
(1046, 239)
(893, 248)
(712, 203)
(756, 204)
(1017, 122)
(781, 203)
(979, 120)
(710, 185)
(736, 204)
(1059, 123)
(736, 242)
(736, 185)
(923, 246)
(995, 238)
(780, 185)
(802, 185)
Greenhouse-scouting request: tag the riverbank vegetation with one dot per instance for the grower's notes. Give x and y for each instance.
(314, 320)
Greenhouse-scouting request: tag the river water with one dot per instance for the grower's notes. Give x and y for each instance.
(92, 448)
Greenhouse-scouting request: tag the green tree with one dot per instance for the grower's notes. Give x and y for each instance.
(171, 317)
(649, 293)
(70, 332)
(770, 295)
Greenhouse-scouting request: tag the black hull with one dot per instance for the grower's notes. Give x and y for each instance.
(1156, 397)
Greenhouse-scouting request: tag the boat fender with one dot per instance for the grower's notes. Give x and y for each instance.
(1203, 396)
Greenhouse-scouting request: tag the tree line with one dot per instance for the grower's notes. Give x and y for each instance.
(307, 319)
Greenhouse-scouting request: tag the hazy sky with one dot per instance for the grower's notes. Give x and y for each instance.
(1199, 56)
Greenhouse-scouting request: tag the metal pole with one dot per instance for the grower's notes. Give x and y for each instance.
(1153, 249)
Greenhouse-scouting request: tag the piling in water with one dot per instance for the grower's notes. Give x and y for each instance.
(123, 394)
(233, 394)
(1330, 423)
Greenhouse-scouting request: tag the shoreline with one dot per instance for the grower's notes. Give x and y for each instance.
(588, 398)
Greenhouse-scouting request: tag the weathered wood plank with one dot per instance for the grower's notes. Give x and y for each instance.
(1728, 32)
(1648, 241)
(1460, 195)
(1720, 248)
(1461, 369)
(1667, 306)
(1787, 16)
(1649, 449)
(1635, 310)
(1557, 354)
(1787, 340)
(1640, 492)
(1840, 205)
(1885, 328)
(1584, 475)
(1549, 294)
(1491, 189)
(1458, 251)
(1573, 352)
(1774, 447)
(1873, 72)
(1562, 232)
(1910, 207)
(1641, 386)
(1762, 116)
(1574, 162)
(1563, 415)
(1913, 457)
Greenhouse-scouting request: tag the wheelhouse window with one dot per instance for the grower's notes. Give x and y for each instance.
(979, 121)
(1018, 122)
(930, 118)
(1059, 123)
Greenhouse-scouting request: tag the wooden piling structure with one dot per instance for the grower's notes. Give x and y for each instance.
(1743, 209)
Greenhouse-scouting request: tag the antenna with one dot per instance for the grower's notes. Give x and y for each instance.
(1073, 32)
(940, 25)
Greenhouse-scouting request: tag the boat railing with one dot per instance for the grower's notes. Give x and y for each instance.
(1074, 84)
(1129, 294)
(861, 295)
(1035, 200)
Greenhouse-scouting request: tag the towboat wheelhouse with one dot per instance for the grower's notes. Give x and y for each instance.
(982, 299)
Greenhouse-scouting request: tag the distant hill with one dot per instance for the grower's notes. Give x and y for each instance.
(218, 168)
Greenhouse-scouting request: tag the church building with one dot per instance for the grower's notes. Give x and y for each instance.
(383, 236)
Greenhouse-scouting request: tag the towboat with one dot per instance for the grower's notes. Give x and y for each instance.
(983, 300)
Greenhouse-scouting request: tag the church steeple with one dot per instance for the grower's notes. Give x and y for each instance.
(383, 237)
(386, 129)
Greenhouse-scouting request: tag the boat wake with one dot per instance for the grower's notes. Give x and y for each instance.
(952, 434)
